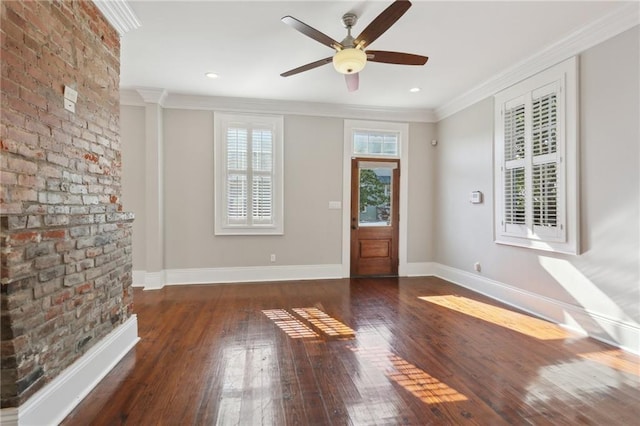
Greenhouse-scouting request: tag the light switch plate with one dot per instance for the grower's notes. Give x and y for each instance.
(71, 94)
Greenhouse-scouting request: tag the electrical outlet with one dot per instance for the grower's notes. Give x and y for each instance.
(273, 257)
(477, 267)
(69, 105)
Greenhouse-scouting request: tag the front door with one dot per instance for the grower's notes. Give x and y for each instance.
(375, 198)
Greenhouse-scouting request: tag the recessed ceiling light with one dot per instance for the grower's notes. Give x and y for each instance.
(414, 89)
(211, 75)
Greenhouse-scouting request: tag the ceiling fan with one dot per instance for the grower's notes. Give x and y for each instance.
(350, 57)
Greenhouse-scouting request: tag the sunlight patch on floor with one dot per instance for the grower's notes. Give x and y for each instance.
(506, 318)
(413, 379)
(575, 380)
(327, 324)
(614, 359)
(309, 319)
(294, 328)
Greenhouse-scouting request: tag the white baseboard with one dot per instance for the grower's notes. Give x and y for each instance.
(610, 330)
(418, 269)
(51, 404)
(157, 280)
(138, 278)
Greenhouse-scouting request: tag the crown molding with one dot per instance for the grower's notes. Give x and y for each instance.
(151, 95)
(616, 22)
(138, 97)
(119, 15)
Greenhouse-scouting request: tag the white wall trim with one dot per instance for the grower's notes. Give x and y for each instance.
(575, 318)
(119, 15)
(419, 269)
(610, 25)
(51, 404)
(151, 95)
(157, 280)
(262, 106)
(154, 280)
(138, 278)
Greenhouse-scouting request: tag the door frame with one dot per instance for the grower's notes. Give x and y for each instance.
(403, 148)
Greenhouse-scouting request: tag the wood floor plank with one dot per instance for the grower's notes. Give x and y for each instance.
(414, 351)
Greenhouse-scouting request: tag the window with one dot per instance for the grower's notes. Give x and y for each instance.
(376, 143)
(248, 176)
(536, 202)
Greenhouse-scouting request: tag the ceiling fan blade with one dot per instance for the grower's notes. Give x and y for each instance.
(353, 81)
(395, 57)
(311, 32)
(382, 22)
(307, 67)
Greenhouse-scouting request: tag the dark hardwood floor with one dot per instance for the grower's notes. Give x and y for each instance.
(356, 352)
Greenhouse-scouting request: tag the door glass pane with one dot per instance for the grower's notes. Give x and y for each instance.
(375, 196)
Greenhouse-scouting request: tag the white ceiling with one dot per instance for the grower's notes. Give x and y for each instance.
(248, 46)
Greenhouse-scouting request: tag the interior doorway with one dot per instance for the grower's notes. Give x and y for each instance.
(375, 213)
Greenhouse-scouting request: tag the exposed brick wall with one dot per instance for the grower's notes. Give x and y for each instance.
(66, 244)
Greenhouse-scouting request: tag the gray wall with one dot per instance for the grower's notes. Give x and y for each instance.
(133, 175)
(605, 278)
(420, 244)
(313, 176)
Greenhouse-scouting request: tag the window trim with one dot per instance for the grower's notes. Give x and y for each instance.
(222, 225)
(566, 240)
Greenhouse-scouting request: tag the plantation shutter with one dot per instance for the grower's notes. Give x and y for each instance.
(237, 194)
(545, 159)
(514, 168)
(530, 172)
(262, 178)
(249, 176)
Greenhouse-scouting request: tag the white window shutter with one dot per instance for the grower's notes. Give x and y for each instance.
(535, 188)
(249, 179)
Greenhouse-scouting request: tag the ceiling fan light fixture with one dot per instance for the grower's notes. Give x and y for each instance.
(349, 60)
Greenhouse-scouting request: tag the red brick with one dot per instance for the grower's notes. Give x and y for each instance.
(18, 193)
(56, 234)
(54, 312)
(18, 165)
(59, 299)
(8, 178)
(12, 31)
(12, 15)
(12, 118)
(25, 236)
(36, 126)
(21, 136)
(19, 105)
(13, 59)
(83, 288)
